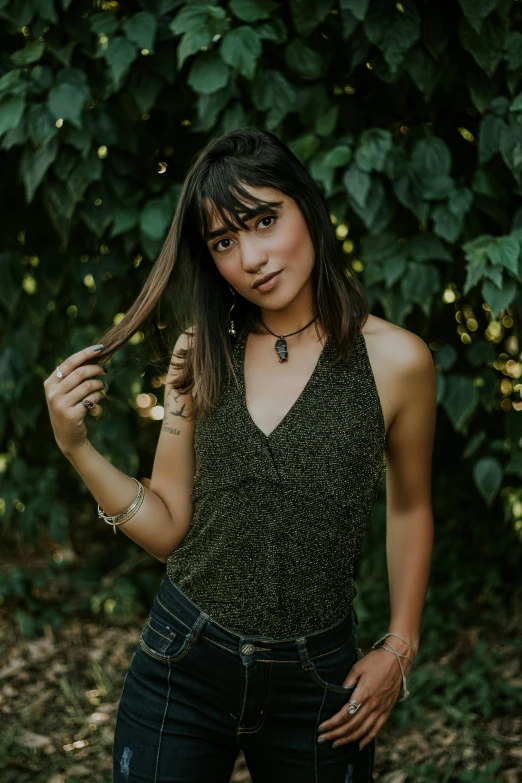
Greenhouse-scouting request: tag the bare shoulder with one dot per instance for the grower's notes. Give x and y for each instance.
(394, 347)
(401, 362)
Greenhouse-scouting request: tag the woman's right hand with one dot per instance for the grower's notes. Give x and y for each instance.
(65, 398)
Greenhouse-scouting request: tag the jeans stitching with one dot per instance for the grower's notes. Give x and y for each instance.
(162, 724)
(188, 627)
(260, 723)
(265, 660)
(168, 638)
(316, 774)
(187, 644)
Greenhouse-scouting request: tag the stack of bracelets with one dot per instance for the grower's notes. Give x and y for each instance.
(381, 643)
(134, 507)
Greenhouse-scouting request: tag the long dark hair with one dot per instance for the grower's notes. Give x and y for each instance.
(186, 278)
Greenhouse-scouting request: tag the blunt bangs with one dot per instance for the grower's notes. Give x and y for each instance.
(223, 187)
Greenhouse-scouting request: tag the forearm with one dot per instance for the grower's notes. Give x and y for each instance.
(151, 527)
(409, 545)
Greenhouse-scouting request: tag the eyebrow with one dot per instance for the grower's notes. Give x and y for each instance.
(249, 214)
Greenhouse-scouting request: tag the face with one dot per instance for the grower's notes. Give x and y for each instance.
(277, 240)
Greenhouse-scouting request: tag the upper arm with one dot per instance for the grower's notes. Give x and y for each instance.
(409, 441)
(174, 462)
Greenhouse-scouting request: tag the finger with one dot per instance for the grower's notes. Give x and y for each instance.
(76, 359)
(339, 717)
(352, 734)
(373, 733)
(80, 376)
(91, 400)
(88, 388)
(350, 724)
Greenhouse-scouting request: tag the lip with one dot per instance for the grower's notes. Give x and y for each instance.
(265, 279)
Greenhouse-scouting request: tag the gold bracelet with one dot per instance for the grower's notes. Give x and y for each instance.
(128, 513)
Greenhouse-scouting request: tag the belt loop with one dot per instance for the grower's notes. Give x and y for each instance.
(198, 625)
(306, 663)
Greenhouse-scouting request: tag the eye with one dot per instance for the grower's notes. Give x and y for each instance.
(266, 217)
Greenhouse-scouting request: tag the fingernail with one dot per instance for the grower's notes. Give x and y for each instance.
(97, 347)
(322, 727)
(105, 369)
(336, 744)
(361, 747)
(321, 739)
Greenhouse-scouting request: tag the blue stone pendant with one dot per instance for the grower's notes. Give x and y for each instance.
(282, 350)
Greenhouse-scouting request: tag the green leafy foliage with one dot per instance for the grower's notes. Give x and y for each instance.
(408, 117)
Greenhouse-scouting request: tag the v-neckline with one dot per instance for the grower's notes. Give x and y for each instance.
(295, 404)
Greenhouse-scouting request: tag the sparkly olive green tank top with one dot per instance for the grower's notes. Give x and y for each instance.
(279, 520)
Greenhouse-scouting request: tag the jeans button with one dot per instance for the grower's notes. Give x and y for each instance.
(248, 649)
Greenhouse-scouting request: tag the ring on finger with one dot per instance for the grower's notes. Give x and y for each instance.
(59, 373)
(353, 706)
(89, 403)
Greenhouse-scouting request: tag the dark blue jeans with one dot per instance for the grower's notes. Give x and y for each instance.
(196, 693)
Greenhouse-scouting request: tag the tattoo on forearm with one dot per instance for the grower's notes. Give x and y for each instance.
(175, 397)
(169, 429)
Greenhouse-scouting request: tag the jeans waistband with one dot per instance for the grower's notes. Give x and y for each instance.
(200, 622)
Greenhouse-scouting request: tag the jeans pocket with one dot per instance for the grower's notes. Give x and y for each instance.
(165, 636)
(330, 669)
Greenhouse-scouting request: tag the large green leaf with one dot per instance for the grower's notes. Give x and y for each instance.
(513, 48)
(120, 54)
(65, 102)
(460, 400)
(34, 165)
(271, 91)
(192, 42)
(446, 224)
(431, 158)
(155, 218)
(497, 299)
(141, 29)
(252, 10)
(476, 11)
(490, 133)
(505, 251)
(420, 283)
(426, 247)
(304, 61)
(392, 30)
(104, 23)
(241, 48)
(31, 53)
(486, 47)
(511, 149)
(358, 184)
(208, 73)
(423, 70)
(372, 149)
(11, 112)
(487, 475)
(308, 14)
(189, 18)
(40, 125)
(358, 8)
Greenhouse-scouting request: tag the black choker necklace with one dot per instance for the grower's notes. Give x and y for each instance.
(280, 344)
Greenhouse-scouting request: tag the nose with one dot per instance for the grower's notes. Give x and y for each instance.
(252, 262)
(251, 257)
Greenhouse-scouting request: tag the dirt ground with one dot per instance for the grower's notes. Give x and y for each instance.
(58, 703)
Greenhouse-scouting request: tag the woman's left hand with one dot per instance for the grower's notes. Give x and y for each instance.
(379, 683)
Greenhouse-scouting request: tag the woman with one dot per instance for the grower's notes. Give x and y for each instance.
(285, 404)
